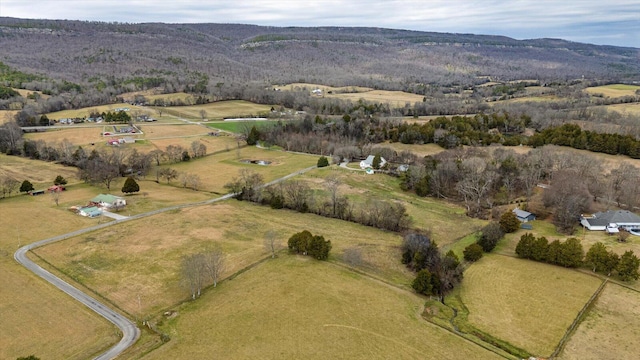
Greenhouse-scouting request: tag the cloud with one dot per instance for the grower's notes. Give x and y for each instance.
(603, 22)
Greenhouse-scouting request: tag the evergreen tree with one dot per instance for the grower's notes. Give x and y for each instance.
(473, 252)
(539, 249)
(60, 180)
(323, 161)
(571, 253)
(377, 160)
(489, 236)
(597, 257)
(26, 186)
(553, 252)
(253, 137)
(130, 186)
(319, 247)
(628, 266)
(509, 222)
(525, 246)
(422, 284)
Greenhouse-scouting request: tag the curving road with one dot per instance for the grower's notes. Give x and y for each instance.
(130, 331)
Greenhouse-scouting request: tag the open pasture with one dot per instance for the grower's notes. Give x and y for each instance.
(41, 174)
(447, 222)
(7, 115)
(309, 87)
(213, 143)
(219, 110)
(79, 136)
(394, 98)
(32, 310)
(84, 112)
(219, 169)
(611, 328)
(297, 308)
(141, 259)
(625, 109)
(160, 131)
(613, 90)
(528, 304)
(421, 150)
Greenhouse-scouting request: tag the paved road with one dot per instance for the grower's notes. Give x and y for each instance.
(113, 215)
(130, 331)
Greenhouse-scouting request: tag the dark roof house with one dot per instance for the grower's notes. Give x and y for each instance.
(610, 218)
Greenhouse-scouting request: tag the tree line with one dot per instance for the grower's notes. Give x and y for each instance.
(297, 195)
(570, 253)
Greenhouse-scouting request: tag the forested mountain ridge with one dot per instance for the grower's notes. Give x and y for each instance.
(117, 56)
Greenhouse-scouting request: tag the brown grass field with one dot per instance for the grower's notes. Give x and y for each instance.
(41, 174)
(429, 214)
(297, 308)
(629, 109)
(218, 169)
(614, 90)
(37, 318)
(84, 112)
(219, 110)
(7, 115)
(79, 136)
(525, 303)
(394, 98)
(610, 330)
(420, 150)
(142, 258)
(309, 87)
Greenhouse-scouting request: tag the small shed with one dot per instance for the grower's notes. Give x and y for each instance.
(524, 216)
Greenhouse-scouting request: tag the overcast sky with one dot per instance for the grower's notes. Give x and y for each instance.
(611, 22)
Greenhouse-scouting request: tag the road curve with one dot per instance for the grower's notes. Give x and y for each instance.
(130, 331)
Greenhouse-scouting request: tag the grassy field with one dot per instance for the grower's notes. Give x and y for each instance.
(447, 222)
(630, 108)
(610, 330)
(32, 310)
(309, 87)
(420, 150)
(142, 258)
(41, 174)
(7, 115)
(217, 170)
(239, 126)
(393, 98)
(614, 90)
(219, 110)
(84, 112)
(525, 303)
(79, 136)
(294, 308)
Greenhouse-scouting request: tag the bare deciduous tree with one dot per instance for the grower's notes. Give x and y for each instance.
(214, 264)
(193, 272)
(271, 243)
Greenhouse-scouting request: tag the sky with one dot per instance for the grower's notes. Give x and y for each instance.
(602, 22)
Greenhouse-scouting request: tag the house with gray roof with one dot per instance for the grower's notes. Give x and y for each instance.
(611, 219)
(523, 216)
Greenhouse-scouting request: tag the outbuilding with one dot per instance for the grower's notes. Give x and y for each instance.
(524, 216)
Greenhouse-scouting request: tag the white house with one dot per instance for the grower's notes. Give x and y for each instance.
(108, 201)
(368, 162)
(610, 220)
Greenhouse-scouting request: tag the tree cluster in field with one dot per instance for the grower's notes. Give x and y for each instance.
(297, 195)
(116, 117)
(306, 243)
(570, 253)
(200, 269)
(436, 275)
(489, 236)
